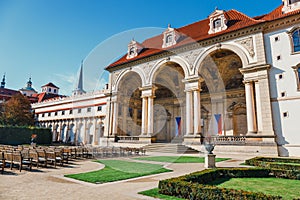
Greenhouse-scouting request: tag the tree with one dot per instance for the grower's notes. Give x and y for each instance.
(17, 111)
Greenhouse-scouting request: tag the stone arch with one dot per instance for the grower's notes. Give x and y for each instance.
(168, 102)
(222, 86)
(129, 103)
(89, 132)
(242, 54)
(125, 73)
(174, 59)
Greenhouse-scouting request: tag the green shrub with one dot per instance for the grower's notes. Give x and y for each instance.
(14, 135)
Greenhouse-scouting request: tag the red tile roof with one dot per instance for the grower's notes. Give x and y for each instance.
(199, 31)
(50, 85)
(193, 32)
(6, 94)
(277, 14)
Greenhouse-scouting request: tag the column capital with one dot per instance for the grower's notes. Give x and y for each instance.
(148, 91)
(255, 68)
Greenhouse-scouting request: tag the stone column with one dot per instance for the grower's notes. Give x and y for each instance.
(258, 107)
(189, 112)
(263, 91)
(197, 112)
(115, 118)
(150, 116)
(124, 116)
(251, 118)
(135, 120)
(95, 135)
(144, 115)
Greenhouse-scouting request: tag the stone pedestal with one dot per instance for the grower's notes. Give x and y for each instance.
(210, 161)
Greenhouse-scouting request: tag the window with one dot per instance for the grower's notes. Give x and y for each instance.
(283, 94)
(297, 74)
(54, 90)
(49, 90)
(131, 51)
(217, 23)
(49, 114)
(63, 112)
(296, 40)
(293, 1)
(71, 112)
(99, 108)
(79, 110)
(278, 57)
(280, 76)
(43, 115)
(285, 114)
(169, 38)
(55, 113)
(276, 39)
(89, 109)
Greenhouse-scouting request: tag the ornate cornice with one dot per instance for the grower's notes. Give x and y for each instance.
(255, 68)
(192, 46)
(282, 22)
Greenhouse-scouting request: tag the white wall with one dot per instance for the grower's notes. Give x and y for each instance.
(286, 128)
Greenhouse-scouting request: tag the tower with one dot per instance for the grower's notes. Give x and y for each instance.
(3, 82)
(79, 88)
(28, 90)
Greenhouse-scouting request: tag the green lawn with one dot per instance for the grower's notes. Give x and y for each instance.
(154, 193)
(286, 188)
(116, 170)
(178, 159)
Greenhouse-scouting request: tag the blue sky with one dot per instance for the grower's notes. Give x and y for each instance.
(48, 39)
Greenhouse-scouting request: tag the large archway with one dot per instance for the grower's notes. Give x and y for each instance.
(223, 94)
(169, 112)
(129, 105)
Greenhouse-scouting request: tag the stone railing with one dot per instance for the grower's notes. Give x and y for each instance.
(230, 140)
(128, 139)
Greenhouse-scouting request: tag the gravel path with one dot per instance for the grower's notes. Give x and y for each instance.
(49, 183)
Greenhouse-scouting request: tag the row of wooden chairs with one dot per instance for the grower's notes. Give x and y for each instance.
(42, 156)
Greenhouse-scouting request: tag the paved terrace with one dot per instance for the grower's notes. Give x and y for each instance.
(49, 183)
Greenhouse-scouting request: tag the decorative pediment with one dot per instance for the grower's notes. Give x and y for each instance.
(217, 21)
(134, 48)
(170, 37)
(290, 5)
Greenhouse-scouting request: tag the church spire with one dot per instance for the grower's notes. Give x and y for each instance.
(29, 83)
(3, 81)
(79, 86)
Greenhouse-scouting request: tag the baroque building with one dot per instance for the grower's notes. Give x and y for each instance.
(231, 77)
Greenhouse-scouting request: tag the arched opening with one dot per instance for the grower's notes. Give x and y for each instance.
(129, 105)
(168, 109)
(223, 103)
(71, 134)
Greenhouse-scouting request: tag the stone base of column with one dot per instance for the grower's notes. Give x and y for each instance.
(145, 139)
(210, 161)
(192, 140)
(106, 141)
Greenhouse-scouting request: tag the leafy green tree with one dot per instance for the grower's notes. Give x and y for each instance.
(17, 111)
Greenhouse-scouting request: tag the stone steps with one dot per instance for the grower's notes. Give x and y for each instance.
(169, 148)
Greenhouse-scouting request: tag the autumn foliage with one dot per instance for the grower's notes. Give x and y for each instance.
(17, 112)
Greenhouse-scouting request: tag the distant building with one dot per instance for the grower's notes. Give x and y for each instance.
(28, 90)
(77, 119)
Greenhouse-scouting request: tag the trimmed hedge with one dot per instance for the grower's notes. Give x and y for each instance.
(281, 167)
(194, 186)
(14, 135)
